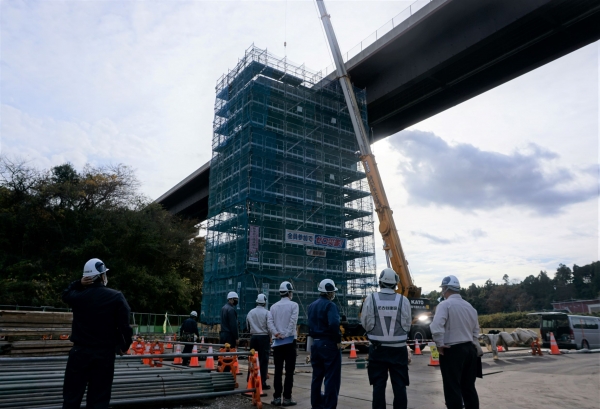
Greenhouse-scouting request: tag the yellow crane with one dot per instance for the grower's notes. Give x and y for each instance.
(391, 241)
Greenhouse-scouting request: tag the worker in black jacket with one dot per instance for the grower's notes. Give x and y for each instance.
(100, 328)
(229, 322)
(186, 334)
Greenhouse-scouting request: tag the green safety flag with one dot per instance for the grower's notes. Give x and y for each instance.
(165, 324)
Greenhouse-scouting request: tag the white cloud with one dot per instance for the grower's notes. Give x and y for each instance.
(466, 177)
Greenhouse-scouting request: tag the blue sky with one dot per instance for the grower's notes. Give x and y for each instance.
(133, 82)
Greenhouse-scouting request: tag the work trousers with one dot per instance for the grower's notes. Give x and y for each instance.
(459, 369)
(187, 349)
(261, 344)
(92, 368)
(395, 361)
(326, 360)
(226, 337)
(284, 354)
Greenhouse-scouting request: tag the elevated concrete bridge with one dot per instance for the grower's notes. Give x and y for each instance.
(446, 53)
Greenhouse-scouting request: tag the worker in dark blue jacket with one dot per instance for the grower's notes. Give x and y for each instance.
(186, 334)
(325, 352)
(100, 329)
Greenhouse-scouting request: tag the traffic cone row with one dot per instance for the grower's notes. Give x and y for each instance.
(553, 345)
(352, 351)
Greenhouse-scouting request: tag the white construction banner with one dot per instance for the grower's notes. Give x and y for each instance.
(302, 237)
(253, 242)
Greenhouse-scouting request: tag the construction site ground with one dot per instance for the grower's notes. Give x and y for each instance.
(516, 380)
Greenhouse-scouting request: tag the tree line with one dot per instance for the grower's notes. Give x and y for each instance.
(53, 221)
(534, 293)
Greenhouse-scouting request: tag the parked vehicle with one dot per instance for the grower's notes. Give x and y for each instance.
(570, 331)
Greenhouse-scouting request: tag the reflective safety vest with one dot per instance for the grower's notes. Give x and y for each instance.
(388, 326)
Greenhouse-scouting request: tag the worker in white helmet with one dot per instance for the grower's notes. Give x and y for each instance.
(284, 317)
(325, 352)
(229, 321)
(257, 322)
(455, 331)
(386, 317)
(100, 328)
(188, 329)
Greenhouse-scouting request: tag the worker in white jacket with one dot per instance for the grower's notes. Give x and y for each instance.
(455, 331)
(284, 317)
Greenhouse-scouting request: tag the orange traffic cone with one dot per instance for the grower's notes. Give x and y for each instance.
(236, 367)
(434, 358)
(169, 345)
(146, 361)
(194, 360)
(418, 349)
(178, 351)
(258, 376)
(352, 351)
(553, 345)
(210, 360)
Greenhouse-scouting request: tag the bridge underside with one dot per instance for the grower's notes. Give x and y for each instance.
(462, 48)
(444, 54)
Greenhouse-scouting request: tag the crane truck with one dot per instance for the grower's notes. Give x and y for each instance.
(391, 241)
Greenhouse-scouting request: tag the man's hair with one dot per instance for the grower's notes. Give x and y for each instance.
(386, 285)
(286, 294)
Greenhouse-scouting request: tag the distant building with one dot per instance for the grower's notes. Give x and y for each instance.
(578, 306)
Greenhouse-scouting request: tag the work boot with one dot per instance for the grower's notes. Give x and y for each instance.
(288, 402)
(266, 387)
(276, 402)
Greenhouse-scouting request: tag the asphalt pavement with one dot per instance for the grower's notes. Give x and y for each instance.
(516, 380)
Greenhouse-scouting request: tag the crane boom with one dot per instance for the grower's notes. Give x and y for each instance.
(387, 227)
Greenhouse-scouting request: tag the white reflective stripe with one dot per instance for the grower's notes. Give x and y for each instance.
(392, 339)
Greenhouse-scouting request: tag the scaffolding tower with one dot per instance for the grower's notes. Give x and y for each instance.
(288, 197)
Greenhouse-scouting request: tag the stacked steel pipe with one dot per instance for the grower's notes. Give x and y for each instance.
(37, 385)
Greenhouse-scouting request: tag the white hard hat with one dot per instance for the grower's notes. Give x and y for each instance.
(285, 287)
(388, 276)
(94, 267)
(327, 286)
(451, 282)
(232, 294)
(261, 299)
(194, 314)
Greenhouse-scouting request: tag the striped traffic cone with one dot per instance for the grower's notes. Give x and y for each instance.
(178, 360)
(434, 358)
(352, 351)
(146, 361)
(418, 349)
(553, 345)
(210, 360)
(194, 360)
